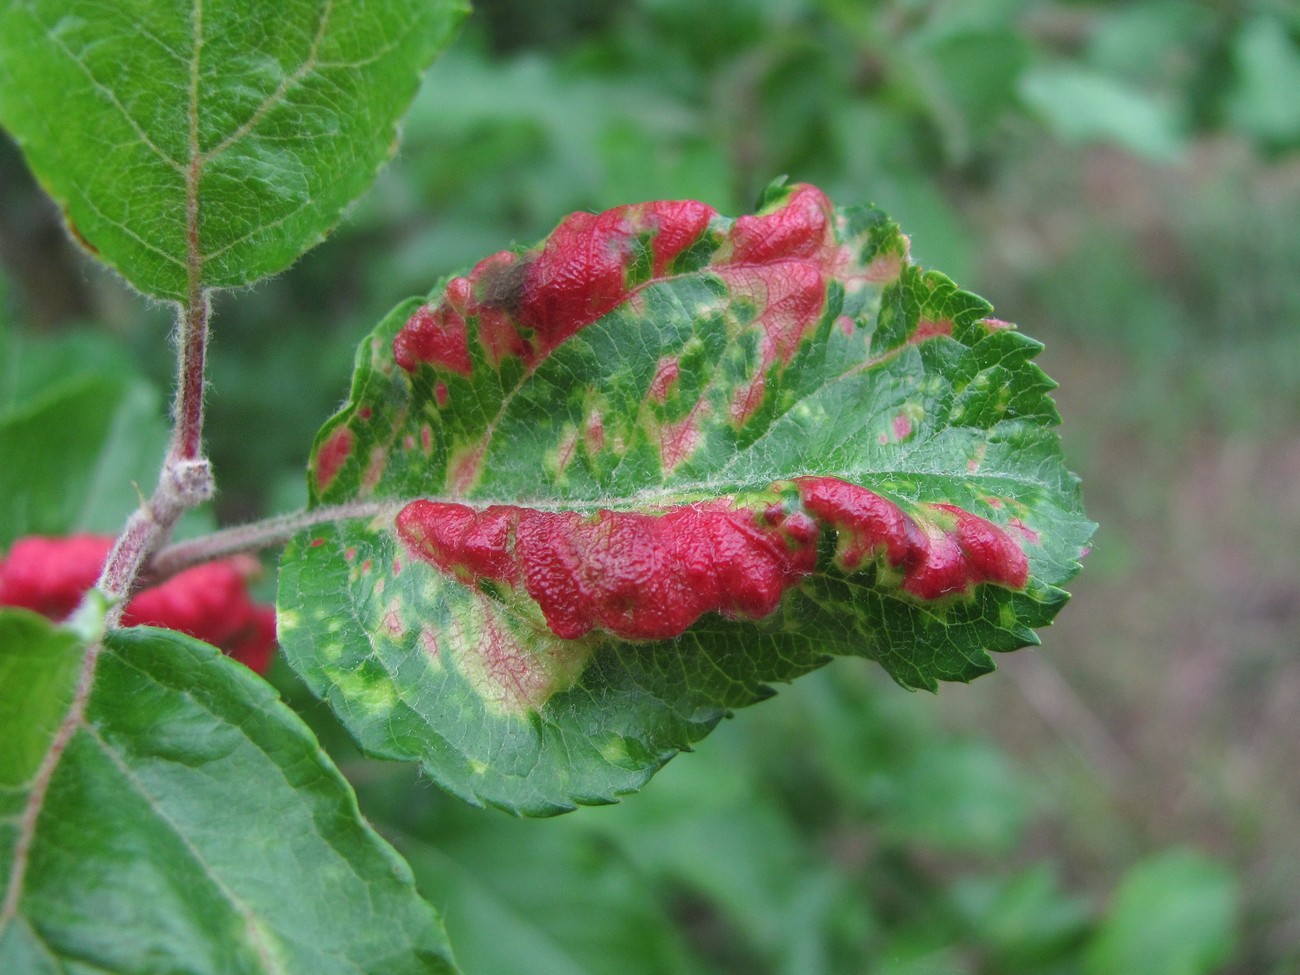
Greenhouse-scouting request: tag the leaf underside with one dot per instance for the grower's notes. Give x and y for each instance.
(175, 818)
(614, 434)
(209, 144)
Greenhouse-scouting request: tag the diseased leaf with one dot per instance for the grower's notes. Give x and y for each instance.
(162, 810)
(209, 144)
(625, 479)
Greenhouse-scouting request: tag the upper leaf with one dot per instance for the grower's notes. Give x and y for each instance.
(162, 810)
(209, 144)
(636, 472)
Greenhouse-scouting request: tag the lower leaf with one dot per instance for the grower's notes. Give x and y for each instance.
(162, 810)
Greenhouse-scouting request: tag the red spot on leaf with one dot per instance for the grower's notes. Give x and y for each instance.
(525, 305)
(440, 394)
(429, 640)
(582, 271)
(995, 324)
(665, 378)
(365, 413)
(987, 554)
(927, 329)
(374, 468)
(799, 229)
(332, 454)
(651, 575)
(868, 525)
(515, 677)
(567, 448)
(464, 469)
(747, 399)
(1029, 534)
(316, 543)
(393, 623)
(498, 293)
(426, 438)
(436, 335)
(790, 297)
(779, 263)
(638, 576)
(677, 224)
(884, 269)
(902, 426)
(678, 439)
(593, 432)
(949, 552)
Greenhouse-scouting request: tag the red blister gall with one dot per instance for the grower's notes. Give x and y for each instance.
(652, 575)
(209, 602)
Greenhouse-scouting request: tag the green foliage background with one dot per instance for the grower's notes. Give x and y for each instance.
(1120, 178)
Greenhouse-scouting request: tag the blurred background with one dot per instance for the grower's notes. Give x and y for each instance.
(1120, 179)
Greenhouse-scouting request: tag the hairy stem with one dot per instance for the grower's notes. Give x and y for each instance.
(255, 535)
(186, 477)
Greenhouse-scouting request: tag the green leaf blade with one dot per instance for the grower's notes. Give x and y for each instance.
(109, 431)
(167, 811)
(209, 146)
(756, 359)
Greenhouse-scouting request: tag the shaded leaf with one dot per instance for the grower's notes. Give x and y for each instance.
(1080, 106)
(162, 810)
(1263, 103)
(1172, 914)
(73, 456)
(623, 480)
(207, 145)
(545, 901)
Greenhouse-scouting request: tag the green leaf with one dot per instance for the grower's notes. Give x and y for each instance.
(1082, 106)
(969, 80)
(162, 810)
(73, 456)
(649, 378)
(1173, 914)
(1263, 103)
(526, 900)
(209, 144)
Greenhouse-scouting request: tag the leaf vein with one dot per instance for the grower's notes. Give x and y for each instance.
(246, 913)
(111, 97)
(309, 64)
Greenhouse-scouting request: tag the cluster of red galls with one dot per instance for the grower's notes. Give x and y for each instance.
(210, 602)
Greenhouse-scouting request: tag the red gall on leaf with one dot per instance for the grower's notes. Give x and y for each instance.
(209, 602)
(527, 304)
(652, 575)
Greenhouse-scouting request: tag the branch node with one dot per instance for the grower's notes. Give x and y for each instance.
(189, 483)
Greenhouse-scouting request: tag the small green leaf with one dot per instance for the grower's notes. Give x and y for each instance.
(209, 144)
(623, 480)
(496, 880)
(162, 810)
(1174, 914)
(1263, 102)
(1080, 105)
(73, 457)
